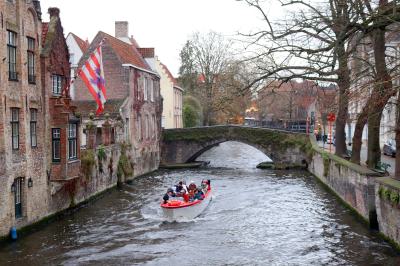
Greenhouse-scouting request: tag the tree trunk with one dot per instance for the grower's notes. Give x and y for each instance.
(382, 87)
(344, 85)
(374, 149)
(357, 137)
(206, 116)
(397, 167)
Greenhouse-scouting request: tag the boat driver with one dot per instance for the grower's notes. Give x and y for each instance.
(170, 194)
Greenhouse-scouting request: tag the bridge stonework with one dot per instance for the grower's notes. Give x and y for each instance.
(185, 145)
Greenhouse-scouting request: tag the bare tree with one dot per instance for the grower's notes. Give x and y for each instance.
(310, 45)
(374, 27)
(215, 77)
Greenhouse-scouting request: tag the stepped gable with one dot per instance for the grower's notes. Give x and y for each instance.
(171, 77)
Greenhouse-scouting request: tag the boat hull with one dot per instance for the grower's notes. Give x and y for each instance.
(187, 212)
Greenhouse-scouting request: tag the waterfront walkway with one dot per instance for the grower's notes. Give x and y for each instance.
(385, 158)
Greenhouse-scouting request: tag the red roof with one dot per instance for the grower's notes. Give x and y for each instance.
(171, 77)
(127, 53)
(83, 45)
(45, 28)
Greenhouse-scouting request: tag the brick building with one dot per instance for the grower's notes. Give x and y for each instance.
(39, 148)
(22, 111)
(62, 126)
(133, 106)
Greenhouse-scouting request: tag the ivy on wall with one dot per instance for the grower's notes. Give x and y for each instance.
(389, 195)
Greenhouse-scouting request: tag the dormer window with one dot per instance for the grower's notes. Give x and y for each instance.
(57, 85)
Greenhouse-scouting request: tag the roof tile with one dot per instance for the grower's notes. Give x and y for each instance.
(128, 53)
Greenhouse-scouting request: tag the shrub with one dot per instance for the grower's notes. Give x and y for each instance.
(87, 162)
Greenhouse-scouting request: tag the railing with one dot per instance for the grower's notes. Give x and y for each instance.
(293, 126)
(278, 128)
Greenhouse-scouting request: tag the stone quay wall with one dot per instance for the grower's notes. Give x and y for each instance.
(96, 176)
(374, 197)
(387, 192)
(353, 184)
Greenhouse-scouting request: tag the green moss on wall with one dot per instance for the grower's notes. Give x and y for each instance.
(124, 165)
(88, 160)
(389, 195)
(326, 161)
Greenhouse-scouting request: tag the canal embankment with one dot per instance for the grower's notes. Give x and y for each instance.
(101, 169)
(368, 193)
(257, 216)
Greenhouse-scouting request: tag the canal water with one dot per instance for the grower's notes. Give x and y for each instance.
(256, 217)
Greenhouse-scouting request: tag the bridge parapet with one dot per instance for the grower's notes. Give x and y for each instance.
(185, 145)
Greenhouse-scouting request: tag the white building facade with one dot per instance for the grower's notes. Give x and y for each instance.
(76, 48)
(172, 97)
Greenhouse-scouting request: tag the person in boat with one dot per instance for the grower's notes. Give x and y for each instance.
(192, 186)
(185, 187)
(170, 194)
(184, 195)
(198, 195)
(191, 194)
(179, 187)
(204, 186)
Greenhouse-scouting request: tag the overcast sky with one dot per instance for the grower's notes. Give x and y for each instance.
(163, 24)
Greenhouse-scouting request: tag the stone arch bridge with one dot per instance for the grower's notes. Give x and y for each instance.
(283, 147)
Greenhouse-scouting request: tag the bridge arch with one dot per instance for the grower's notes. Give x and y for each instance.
(282, 147)
(201, 151)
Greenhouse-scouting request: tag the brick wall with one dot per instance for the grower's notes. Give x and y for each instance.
(26, 162)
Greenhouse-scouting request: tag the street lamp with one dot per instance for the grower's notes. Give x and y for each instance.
(30, 182)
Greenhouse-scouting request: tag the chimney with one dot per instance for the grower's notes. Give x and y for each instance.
(54, 12)
(121, 29)
(146, 52)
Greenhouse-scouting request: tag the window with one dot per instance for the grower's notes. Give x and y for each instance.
(140, 83)
(15, 128)
(71, 59)
(33, 127)
(155, 88)
(145, 88)
(151, 90)
(139, 127)
(57, 85)
(72, 141)
(12, 55)
(153, 122)
(18, 185)
(56, 144)
(31, 60)
(147, 127)
(163, 121)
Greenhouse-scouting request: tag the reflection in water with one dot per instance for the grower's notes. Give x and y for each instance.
(256, 217)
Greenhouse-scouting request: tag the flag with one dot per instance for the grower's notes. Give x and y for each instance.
(92, 74)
